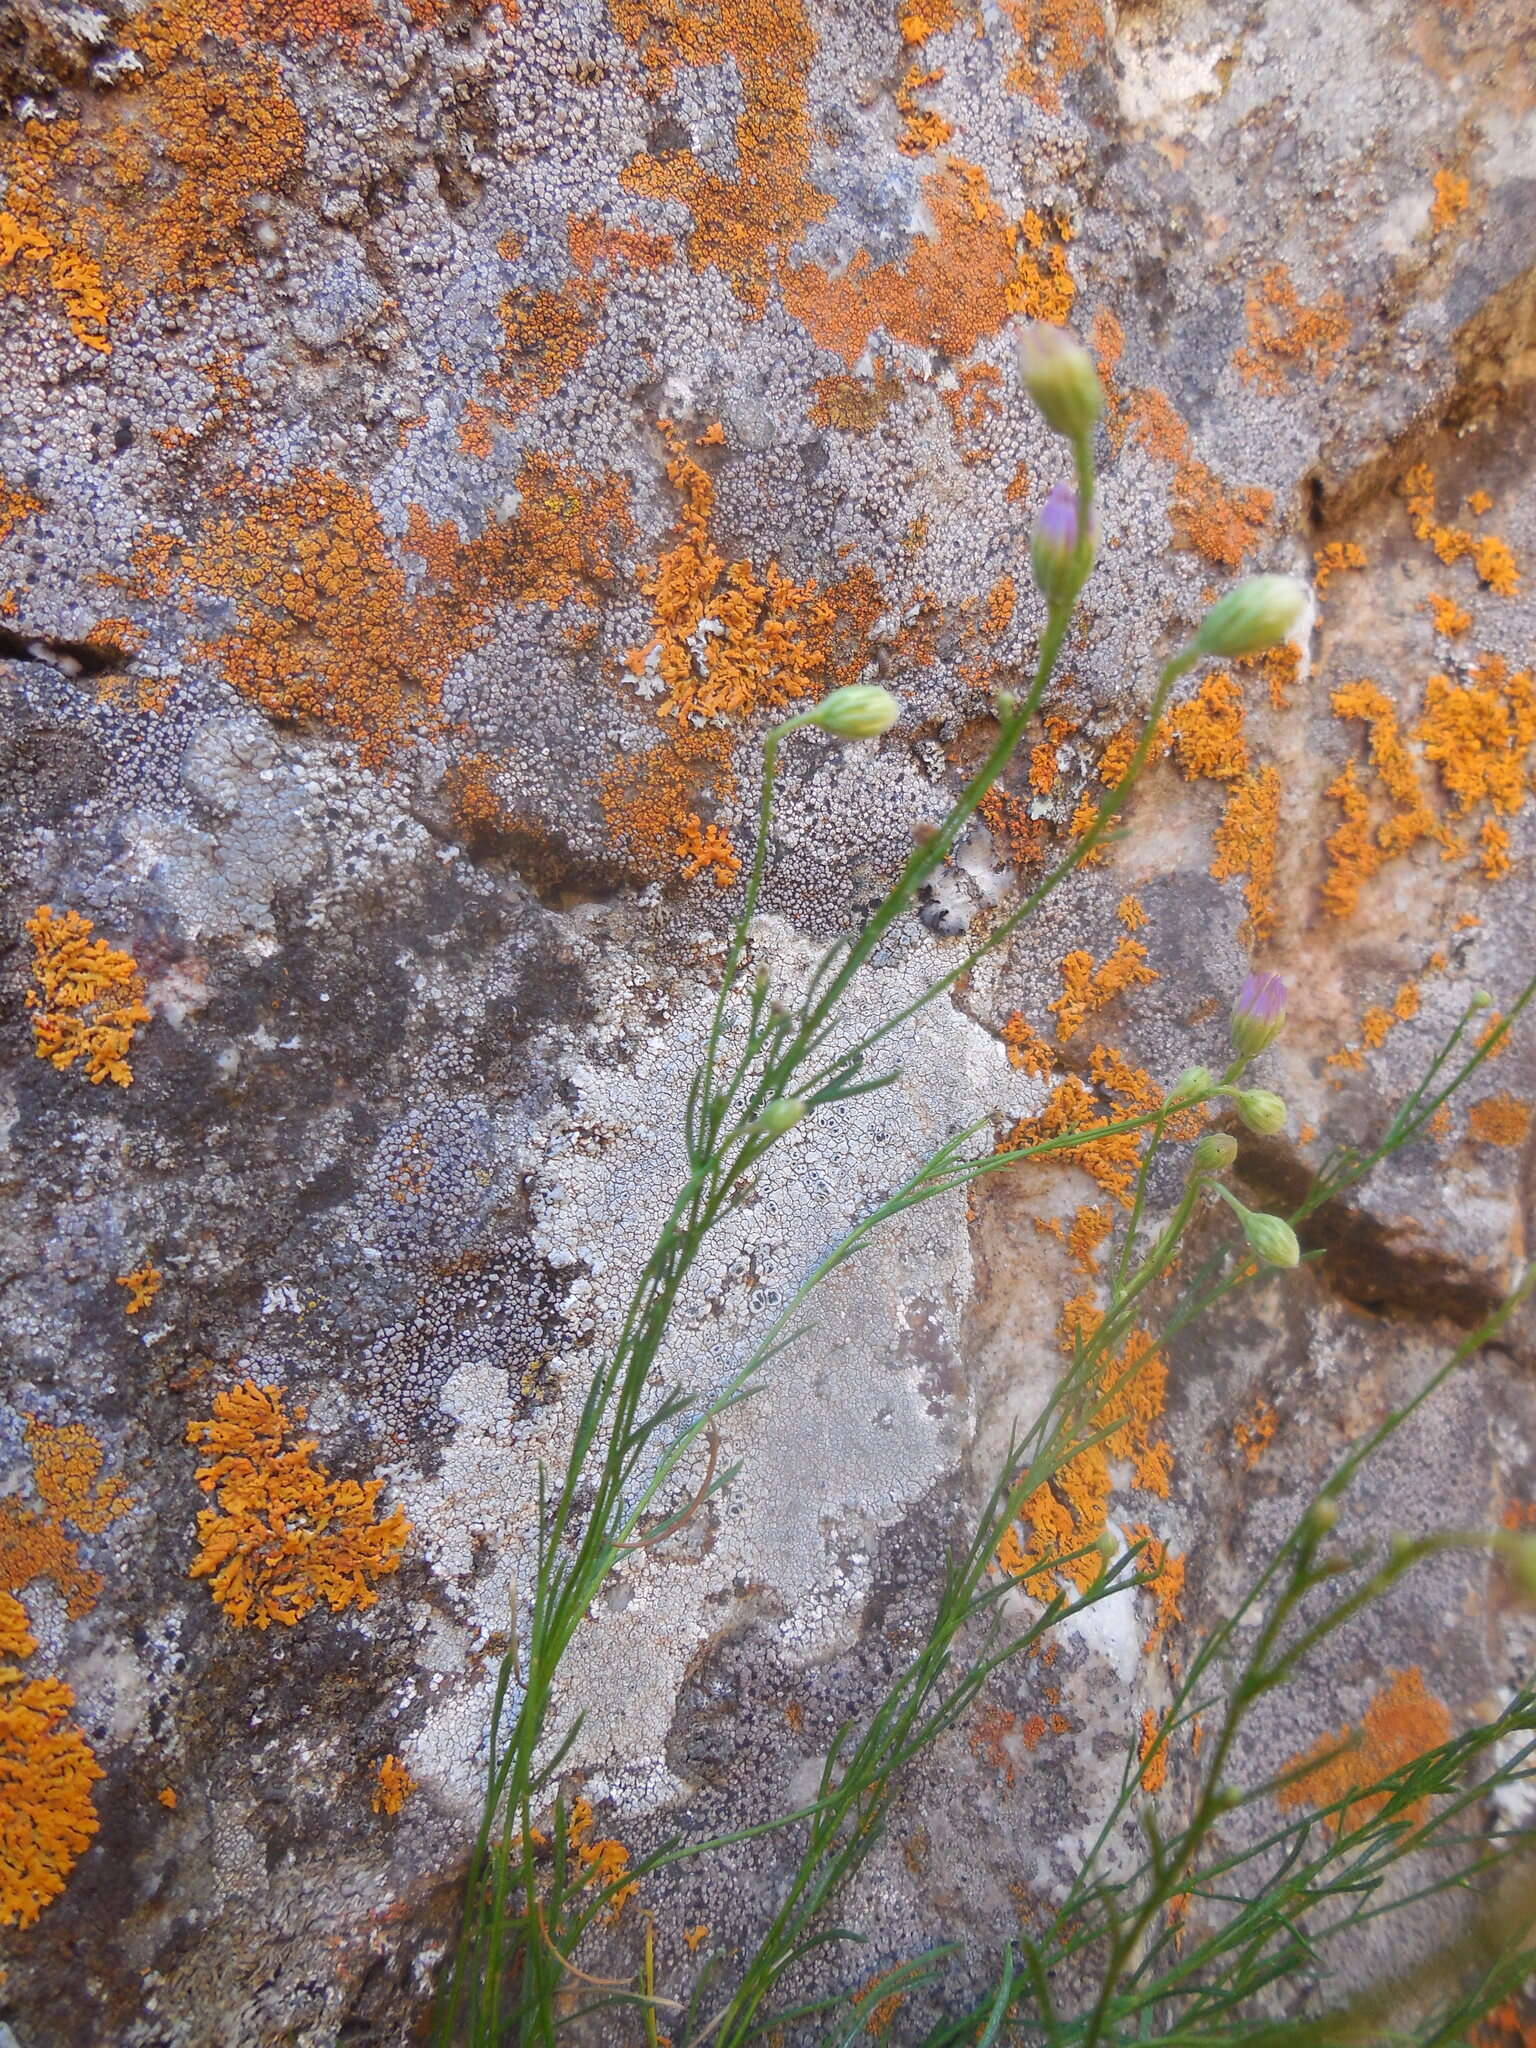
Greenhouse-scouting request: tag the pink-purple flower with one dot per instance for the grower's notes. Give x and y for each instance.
(1258, 1015)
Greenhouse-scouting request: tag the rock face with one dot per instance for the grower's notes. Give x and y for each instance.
(439, 434)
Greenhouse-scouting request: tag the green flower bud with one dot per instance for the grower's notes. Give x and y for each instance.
(1225, 1798)
(1193, 1085)
(1106, 1546)
(856, 711)
(1481, 1001)
(1520, 1555)
(779, 1117)
(1261, 612)
(1401, 1550)
(1215, 1152)
(1322, 1517)
(1261, 1110)
(1059, 376)
(1271, 1237)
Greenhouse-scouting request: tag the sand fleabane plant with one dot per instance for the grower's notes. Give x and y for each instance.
(772, 1061)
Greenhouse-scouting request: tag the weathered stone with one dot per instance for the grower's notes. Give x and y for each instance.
(438, 437)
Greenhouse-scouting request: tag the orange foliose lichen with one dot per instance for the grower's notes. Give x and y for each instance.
(1400, 1724)
(1285, 336)
(1086, 988)
(1253, 1436)
(47, 1816)
(1480, 736)
(1452, 196)
(598, 1863)
(1207, 731)
(1219, 524)
(1246, 842)
(1338, 554)
(66, 1461)
(650, 802)
(1154, 1764)
(1500, 1120)
(1491, 557)
(728, 641)
(284, 1535)
(395, 1785)
(87, 1000)
(143, 1284)
(1361, 847)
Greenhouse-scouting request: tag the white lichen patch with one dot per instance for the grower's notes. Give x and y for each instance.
(847, 1429)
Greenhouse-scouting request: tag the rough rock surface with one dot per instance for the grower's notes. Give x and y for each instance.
(438, 434)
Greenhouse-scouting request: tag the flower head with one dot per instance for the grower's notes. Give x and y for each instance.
(1215, 1152)
(1059, 376)
(1258, 1015)
(1058, 555)
(1261, 612)
(1261, 1110)
(856, 711)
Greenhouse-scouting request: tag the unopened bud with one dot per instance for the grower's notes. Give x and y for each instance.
(1225, 1798)
(1193, 1085)
(856, 711)
(1106, 1546)
(1481, 1001)
(1261, 1110)
(1061, 552)
(1258, 1015)
(1322, 1517)
(1520, 1556)
(1401, 1551)
(1261, 612)
(1272, 1238)
(1215, 1152)
(1059, 376)
(778, 1117)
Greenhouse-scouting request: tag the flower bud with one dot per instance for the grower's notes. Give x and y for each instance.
(1226, 1798)
(856, 711)
(1215, 1152)
(1106, 1546)
(1193, 1085)
(1520, 1556)
(1322, 1518)
(1271, 1237)
(1260, 612)
(1481, 1000)
(1401, 1551)
(1057, 554)
(1059, 376)
(1261, 1110)
(778, 1117)
(1258, 1015)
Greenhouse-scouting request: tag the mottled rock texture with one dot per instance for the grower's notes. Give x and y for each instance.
(438, 435)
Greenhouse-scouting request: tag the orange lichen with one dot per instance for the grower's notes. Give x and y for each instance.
(1110, 1161)
(972, 404)
(597, 1863)
(151, 201)
(922, 130)
(650, 803)
(1246, 843)
(1090, 1226)
(694, 1936)
(324, 626)
(1166, 1587)
(727, 641)
(1057, 38)
(143, 1284)
(853, 404)
(882, 2013)
(1285, 336)
(1207, 731)
(1085, 988)
(1154, 1766)
(66, 1460)
(47, 1816)
(1480, 736)
(1026, 1048)
(1500, 1120)
(1253, 1436)
(167, 1797)
(1337, 555)
(1020, 838)
(744, 226)
(15, 504)
(957, 287)
(1132, 914)
(920, 19)
(1399, 1725)
(1360, 848)
(1491, 557)
(1448, 616)
(1493, 856)
(1220, 525)
(1001, 599)
(1452, 194)
(284, 1535)
(395, 1785)
(87, 1000)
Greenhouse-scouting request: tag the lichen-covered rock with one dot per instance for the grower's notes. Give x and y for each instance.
(439, 435)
